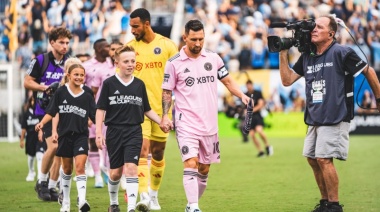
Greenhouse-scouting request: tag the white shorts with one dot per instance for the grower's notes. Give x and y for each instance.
(327, 141)
(205, 148)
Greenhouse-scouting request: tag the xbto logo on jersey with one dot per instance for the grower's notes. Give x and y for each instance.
(200, 80)
(140, 66)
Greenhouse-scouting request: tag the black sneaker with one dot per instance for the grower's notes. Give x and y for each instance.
(334, 207)
(37, 187)
(269, 150)
(132, 210)
(261, 154)
(321, 207)
(114, 208)
(54, 195)
(43, 192)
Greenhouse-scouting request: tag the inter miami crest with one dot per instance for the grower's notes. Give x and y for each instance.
(157, 50)
(208, 66)
(185, 150)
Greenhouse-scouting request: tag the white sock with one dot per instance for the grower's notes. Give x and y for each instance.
(43, 177)
(113, 190)
(39, 156)
(81, 187)
(31, 163)
(52, 184)
(66, 186)
(132, 191)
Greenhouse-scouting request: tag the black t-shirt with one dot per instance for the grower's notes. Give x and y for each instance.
(124, 103)
(29, 121)
(74, 110)
(329, 78)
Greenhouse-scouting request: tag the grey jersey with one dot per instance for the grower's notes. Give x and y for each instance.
(329, 78)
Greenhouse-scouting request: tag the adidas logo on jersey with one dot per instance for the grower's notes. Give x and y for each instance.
(81, 149)
(132, 195)
(117, 92)
(64, 101)
(186, 70)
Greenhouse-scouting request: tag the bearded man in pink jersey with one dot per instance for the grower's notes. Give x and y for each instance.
(192, 74)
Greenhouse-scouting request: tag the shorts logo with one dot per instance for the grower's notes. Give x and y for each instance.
(139, 66)
(157, 50)
(189, 81)
(208, 66)
(185, 150)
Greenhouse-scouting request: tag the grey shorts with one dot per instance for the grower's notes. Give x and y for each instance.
(327, 141)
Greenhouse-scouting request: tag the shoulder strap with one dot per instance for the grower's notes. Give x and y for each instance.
(45, 62)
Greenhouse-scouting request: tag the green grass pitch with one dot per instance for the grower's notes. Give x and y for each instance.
(242, 182)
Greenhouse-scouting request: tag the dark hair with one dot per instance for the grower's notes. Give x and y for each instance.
(123, 49)
(116, 42)
(141, 13)
(194, 25)
(248, 82)
(59, 32)
(332, 25)
(98, 41)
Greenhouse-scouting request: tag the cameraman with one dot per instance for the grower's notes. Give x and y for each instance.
(328, 111)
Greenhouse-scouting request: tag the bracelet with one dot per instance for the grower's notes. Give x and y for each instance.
(378, 100)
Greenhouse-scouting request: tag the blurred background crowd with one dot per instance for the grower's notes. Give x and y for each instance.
(236, 29)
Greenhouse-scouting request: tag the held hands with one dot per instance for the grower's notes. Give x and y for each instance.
(99, 140)
(39, 126)
(166, 124)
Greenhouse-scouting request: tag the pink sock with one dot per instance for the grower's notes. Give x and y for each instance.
(94, 159)
(190, 183)
(202, 183)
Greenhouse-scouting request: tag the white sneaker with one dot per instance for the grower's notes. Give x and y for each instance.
(153, 204)
(99, 181)
(84, 207)
(190, 209)
(30, 177)
(143, 205)
(65, 208)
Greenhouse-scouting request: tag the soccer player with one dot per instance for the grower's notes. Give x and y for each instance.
(94, 67)
(38, 81)
(152, 52)
(75, 104)
(31, 140)
(329, 76)
(192, 74)
(122, 103)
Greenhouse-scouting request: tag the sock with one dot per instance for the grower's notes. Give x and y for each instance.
(202, 183)
(66, 186)
(157, 169)
(190, 184)
(132, 189)
(143, 175)
(39, 156)
(94, 159)
(52, 184)
(31, 163)
(113, 190)
(43, 177)
(81, 187)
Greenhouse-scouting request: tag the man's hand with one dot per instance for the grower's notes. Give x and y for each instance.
(245, 99)
(39, 127)
(166, 124)
(99, 140)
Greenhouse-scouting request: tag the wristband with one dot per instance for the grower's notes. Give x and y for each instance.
(378, 100)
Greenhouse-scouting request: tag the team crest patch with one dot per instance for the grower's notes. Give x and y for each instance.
(208, 66)
(157, 50)
(189, 81)
(185, 150)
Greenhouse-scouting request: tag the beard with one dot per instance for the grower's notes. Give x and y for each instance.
(195, 50)
(140, 37)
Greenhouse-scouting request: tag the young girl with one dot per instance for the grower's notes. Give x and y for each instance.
(32, 141)
(74, 107)
(122, 104)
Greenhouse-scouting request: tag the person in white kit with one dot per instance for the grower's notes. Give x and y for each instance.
(192, 74)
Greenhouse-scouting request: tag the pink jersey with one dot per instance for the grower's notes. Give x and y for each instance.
(107, 70)
(194, 82)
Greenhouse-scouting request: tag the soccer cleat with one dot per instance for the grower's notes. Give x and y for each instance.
(132, 210)
(189, 209)
(65, 208)
(44, 192)
(99, 182)
(30, 177)
(153, 204)
(60, 198)
(54, 195)
(114, 208)
(321, 207)
(261, 154)
(143, 205)
(37, 187)
(84, 207)
(334, 208)
(269, 150)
